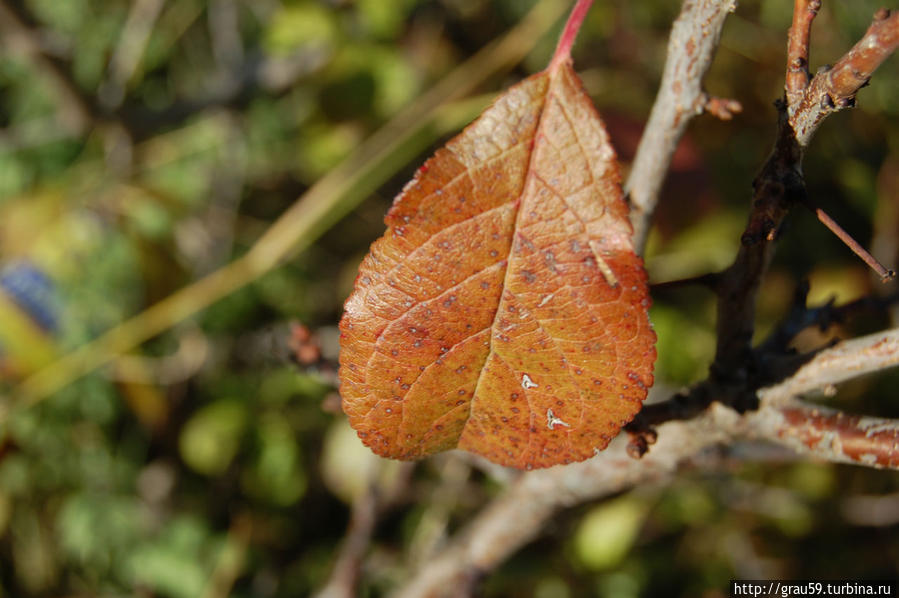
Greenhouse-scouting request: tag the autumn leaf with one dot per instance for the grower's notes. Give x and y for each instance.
(504, 311)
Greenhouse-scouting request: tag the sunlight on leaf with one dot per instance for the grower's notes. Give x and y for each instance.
(504, 311)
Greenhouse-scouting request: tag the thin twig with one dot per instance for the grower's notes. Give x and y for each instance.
(691, 47)
(882, 271)
(772, 360)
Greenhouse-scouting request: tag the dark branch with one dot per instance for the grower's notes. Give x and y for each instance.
(780, 185)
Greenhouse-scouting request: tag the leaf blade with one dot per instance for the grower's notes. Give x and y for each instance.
(481, 319)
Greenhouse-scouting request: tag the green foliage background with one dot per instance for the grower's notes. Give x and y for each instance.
(211, 463)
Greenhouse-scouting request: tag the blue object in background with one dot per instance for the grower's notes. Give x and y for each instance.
(33, 291)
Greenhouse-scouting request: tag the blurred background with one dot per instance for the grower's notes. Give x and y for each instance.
(146, 143)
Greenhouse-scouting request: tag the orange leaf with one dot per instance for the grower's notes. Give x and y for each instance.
(504, 311)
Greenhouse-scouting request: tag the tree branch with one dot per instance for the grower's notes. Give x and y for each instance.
(796, 81)
(839, 363)
(829, 434)
(691, 47)
(884, 273)
(834, 89)
(780, 185)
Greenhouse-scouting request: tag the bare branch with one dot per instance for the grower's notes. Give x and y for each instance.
(830, 434)
(842, 362)
(796, 81)
(776, 189)
(780, 185)
(827, 433)
(691, 47)
(833, 89)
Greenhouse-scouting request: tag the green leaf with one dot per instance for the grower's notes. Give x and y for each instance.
(607, 533)
(277, 474)
(210, 439)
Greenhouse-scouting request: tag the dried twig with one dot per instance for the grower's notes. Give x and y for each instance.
(691, 47)
(882, 271)
(808, 102)
(837, 364)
